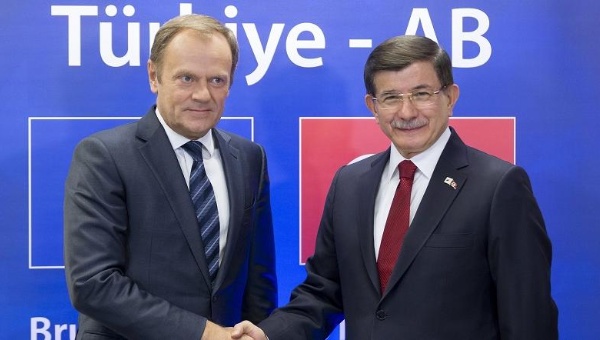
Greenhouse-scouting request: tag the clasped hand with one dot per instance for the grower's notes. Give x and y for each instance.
(244, 330)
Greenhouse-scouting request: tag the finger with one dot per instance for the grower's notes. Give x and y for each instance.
(238, 330)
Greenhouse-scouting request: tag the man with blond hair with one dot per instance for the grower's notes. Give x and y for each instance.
(167, 221)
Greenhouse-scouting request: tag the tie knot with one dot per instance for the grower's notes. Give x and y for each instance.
(194, 148)
(407, 169)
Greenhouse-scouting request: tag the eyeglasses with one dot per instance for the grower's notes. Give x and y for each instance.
(419, 98)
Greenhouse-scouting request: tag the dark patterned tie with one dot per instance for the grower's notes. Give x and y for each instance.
(205, 205)
(396, 225)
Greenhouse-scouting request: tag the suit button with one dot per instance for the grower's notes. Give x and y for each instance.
(214, 299)
(381, 315)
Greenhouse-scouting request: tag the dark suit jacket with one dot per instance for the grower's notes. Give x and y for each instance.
(475, 263)
(134, 258)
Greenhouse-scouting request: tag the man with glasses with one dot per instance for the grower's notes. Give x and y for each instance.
(455, 249)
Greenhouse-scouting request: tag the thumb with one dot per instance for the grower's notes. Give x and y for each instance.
(239, 330)
(246, 328)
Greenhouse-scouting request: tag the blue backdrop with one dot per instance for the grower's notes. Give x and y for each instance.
(72, 67)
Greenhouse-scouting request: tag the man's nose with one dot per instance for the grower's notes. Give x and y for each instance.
(407, 109)
(201, 92)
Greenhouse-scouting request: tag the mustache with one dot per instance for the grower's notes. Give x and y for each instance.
(408, 124)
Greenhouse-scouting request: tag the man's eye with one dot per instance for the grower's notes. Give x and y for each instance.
(393, 98)
(218, 81)
(186, 79)
(421, 95)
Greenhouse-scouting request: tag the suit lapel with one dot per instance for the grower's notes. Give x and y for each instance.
(436, 201)
(233, 168)
(368, 186)
(161, 159)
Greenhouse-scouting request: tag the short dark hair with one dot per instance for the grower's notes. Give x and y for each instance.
(399, 52)
(196, 22)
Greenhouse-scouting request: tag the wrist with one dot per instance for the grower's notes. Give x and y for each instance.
(209, 330)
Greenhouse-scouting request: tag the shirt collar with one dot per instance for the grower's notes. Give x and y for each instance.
(178, 140)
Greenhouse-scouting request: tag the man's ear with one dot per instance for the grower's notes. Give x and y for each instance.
(369, 101)
(453, 92)
(152, 77)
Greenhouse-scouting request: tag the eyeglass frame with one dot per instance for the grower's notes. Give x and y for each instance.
(410, 96)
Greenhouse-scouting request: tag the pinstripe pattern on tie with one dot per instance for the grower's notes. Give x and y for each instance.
(203, 197)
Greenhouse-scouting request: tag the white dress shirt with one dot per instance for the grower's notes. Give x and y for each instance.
(213, 165)
(425, 162)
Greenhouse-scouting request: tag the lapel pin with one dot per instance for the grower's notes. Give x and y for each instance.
(450, 182)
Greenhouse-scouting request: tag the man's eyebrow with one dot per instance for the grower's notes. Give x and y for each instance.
(418, 87)
(181, 72)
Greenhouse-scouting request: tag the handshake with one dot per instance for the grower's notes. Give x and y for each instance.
(244, 330)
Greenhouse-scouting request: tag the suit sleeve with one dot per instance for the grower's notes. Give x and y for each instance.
(95, 234)
(260, 297)
(520, 256)
(315, 306)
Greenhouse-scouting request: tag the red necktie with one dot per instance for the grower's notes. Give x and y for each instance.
(396, 225)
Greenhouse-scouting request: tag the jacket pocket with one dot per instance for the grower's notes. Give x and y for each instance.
(450, 241)
(97, 335)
